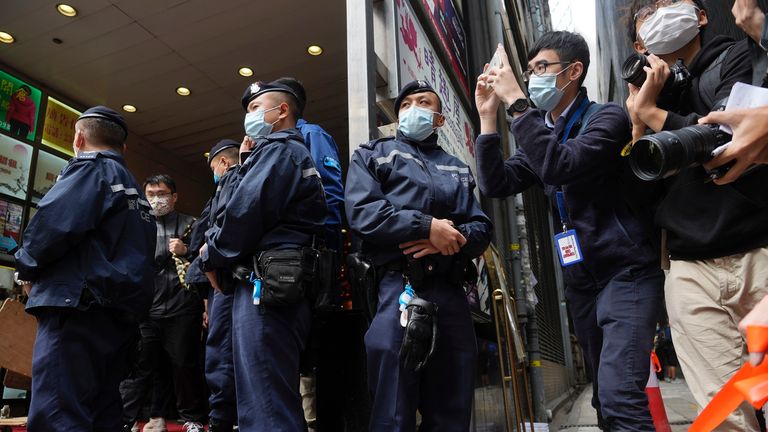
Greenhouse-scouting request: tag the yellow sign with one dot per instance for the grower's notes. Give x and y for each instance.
(59, 126)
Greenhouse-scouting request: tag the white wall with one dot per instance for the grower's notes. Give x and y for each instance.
(579, 16)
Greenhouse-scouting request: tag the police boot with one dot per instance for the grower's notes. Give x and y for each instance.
(420, 334)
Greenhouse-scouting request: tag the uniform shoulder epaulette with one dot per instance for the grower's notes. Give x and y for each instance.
(370, 145)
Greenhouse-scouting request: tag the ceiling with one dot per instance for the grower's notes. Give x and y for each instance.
(117, 52)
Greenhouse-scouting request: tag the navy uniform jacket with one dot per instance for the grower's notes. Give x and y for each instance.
(593, 176)
(395, 186)
(325, 154)
(92, 238)
(279, 202)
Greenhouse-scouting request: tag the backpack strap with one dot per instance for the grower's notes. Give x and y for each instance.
(591, 110)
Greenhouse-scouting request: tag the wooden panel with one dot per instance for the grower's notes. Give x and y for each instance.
(17, 337)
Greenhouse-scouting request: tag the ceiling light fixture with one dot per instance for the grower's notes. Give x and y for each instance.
(129, 108)
(66, 10)
(6, 37)
(183, 91)
(314, 50)
(245, 71)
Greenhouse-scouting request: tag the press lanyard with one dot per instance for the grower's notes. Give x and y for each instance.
(560, 198)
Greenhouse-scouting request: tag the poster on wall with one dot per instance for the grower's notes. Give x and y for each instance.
(46, 172)
(19, 106)
(479, 293)
(446, 23)
(10, 225)
(15, 160)
(417, 61)
(59, 126)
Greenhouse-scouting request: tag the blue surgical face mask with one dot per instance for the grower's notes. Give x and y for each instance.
(255, 125)
(416, 123)
(217, 177)
(543, 90)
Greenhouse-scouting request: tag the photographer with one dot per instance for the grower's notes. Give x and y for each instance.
(571, 147)
(750, 130)
(716, 235)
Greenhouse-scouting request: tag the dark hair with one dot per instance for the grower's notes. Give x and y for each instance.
(293, 104)
(569, 47)
(298, 88)
(102, 131)
(231, 154)
(160, 178)
(639, 4)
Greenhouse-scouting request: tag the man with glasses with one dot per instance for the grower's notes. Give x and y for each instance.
(571, 147)
(172, 332)
(717, 237)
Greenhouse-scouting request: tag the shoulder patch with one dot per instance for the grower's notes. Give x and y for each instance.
(331, 163)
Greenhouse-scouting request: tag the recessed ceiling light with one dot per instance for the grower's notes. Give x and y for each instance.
(129, 108)
(66, 10)
(314, 50)
(245, 71)
(6, 37)
(183, 91)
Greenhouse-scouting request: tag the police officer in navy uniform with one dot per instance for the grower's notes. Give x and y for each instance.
(87, 264)
(223, 159)
(278, 205)
(405, 196)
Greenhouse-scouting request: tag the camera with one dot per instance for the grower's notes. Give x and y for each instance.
(666, 153)
(679, 79)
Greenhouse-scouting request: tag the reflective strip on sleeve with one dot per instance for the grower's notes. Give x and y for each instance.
(458, 169)
(120, 188)
(391, 156)
(309, 172)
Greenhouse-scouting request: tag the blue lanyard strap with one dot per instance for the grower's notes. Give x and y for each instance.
(575, 118)
(561, 209)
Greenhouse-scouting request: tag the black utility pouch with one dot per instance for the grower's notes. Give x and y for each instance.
(326, 292)
(287, 275)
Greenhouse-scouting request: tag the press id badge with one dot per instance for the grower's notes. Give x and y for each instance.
(568, 248)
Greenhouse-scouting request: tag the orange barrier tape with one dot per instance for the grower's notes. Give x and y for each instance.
(655, 362)
(750, 383)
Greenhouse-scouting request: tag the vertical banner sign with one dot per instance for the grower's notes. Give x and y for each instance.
(59, 126)
(19, 104)
(10, 225)
(15, 160)
(417, 61)
(445, 20)
(46, 172)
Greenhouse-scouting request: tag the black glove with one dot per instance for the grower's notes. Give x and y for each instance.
(420, 334)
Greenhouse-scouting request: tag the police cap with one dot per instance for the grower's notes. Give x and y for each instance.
(220, 147)
(413, 87)
(259, 88)
(105, 113)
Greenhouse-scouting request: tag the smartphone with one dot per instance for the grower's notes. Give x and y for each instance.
(495, 62)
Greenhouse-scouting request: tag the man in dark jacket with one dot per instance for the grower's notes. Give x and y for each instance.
(172, 331)
(414, 208)
(717, 236)
(86, 265)
(571, 148)
(276, 210)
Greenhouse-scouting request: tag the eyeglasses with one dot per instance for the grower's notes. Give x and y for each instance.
(647, 11)
(540, 68)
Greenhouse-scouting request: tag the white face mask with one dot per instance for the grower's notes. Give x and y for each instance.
(161, 206)
(670, 29)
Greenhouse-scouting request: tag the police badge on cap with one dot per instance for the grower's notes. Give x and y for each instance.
(259, 88)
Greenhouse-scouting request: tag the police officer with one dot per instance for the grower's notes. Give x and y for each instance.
(407, 196)
(86, 263)
(275, 213)
(223, 159)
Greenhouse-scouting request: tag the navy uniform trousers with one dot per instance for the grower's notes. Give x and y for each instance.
(267, 342)
(615, 324)
(219, 364)
(444, 389)
(96, 343)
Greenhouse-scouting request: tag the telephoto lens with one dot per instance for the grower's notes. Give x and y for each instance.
(661, 155)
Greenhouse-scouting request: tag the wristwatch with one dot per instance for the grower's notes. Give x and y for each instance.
(19, 281)
(519, 106)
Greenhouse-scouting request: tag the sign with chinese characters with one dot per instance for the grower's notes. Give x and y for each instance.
(15, 160)
(19, 105)
(10, 225)
(46, 172)
(445, 21)
(417, 61)
(59, 126)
